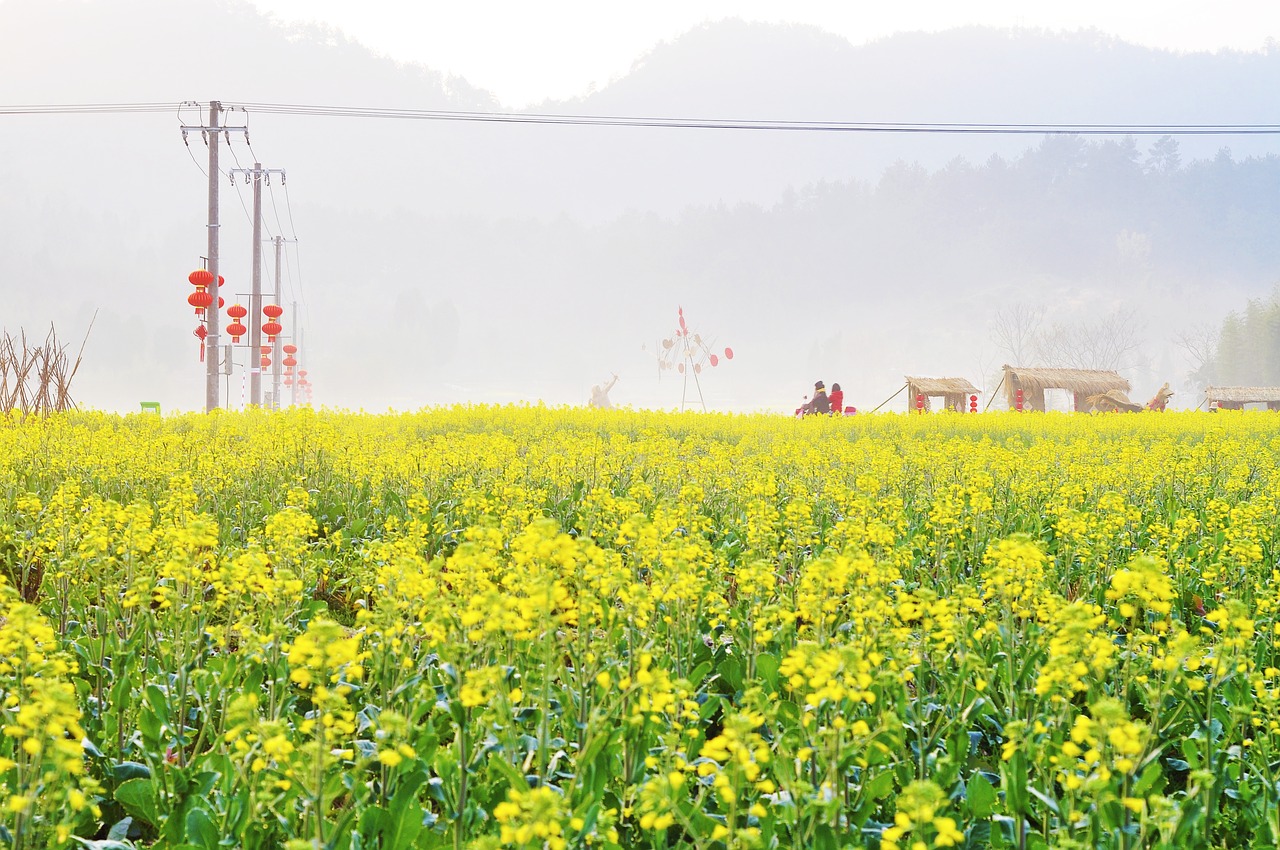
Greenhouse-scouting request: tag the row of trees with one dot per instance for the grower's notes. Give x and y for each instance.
(1243, 351)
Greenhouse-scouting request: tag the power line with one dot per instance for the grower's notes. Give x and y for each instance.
(288, 204)
(86, 108)
(275, 210)
(667, 122)
(752, 124)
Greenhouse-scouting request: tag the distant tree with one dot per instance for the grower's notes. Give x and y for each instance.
(1015, 330)
(1200, 343)
(1163, 157)
(1112, 342)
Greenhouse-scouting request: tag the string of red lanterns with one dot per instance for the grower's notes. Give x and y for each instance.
(203, 299)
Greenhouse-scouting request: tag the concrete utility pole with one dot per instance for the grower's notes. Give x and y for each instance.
(210, 132)
(258, 173)
(212, 314)
(275, 353)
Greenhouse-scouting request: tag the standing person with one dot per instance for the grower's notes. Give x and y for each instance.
(600, 395)
(837, 400)
(819, 403)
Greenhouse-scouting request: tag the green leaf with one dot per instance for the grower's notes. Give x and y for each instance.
(138, 798)
(126, 770)
(152, 726)
(1044, 798)
(767, 670)
(120, 829)
(825, 838)
(978, 835)
(730, 671)
(1147, 782)
(1013, 776)
(405, 824)
(879, 787)
(200, 830)
(499, 764)
(981, 796)
(157, 700)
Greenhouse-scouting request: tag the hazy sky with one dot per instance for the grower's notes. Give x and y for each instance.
(525, 52)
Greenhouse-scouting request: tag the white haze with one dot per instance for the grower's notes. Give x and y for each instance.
(456, 262)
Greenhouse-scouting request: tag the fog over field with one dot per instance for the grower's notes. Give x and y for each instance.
(440, 261)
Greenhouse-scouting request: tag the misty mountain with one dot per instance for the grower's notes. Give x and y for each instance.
(443, 261)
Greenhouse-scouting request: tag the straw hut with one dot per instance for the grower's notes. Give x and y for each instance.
(1235, 398)
(1081, 383)
(954, 392)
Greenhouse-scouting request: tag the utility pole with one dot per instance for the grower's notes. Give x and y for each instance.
(275, 353)
(212, 315)
(257, 173)
(210, 133)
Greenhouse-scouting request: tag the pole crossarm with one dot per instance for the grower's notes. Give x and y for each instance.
(250, 173)
(205, 131)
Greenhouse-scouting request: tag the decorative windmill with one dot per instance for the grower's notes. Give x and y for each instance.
(687, 353)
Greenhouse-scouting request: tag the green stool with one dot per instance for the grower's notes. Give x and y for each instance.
(150, 407)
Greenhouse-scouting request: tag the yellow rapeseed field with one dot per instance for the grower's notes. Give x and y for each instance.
(525, 627)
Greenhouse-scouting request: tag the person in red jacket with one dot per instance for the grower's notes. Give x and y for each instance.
(837, 400)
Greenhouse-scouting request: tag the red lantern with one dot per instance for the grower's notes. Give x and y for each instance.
(290, 362)
(200, 278)
(236, 329)
(272, 330)
(973, 404)
(715, 360)
(266, 349)
(200, 299)
(288, 381)
(1017, 401)
(728, 354)
(222, 302)
(302, 373)
(273, 311)
(920, 402)
(266, 361)
(291, 349)
(221, 280)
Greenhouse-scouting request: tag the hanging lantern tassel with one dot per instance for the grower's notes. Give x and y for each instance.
(200, 333)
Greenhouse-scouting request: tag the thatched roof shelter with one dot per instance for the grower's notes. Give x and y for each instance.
(1081, 383)
(955, 392)
(1235, 398)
